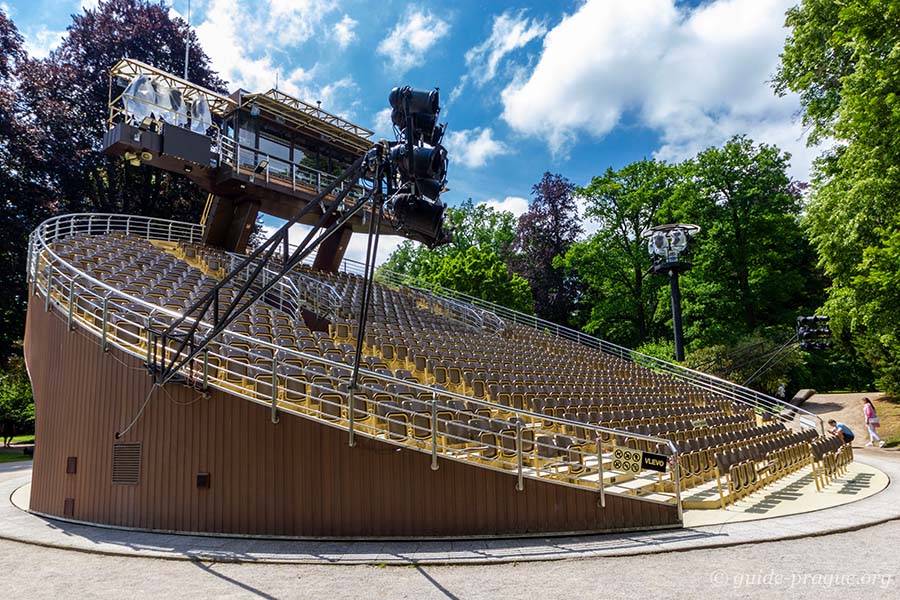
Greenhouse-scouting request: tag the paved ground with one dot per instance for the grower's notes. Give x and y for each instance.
(854, 564)
(860, 564)
(17, 525)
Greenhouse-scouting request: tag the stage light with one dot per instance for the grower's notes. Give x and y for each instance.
(427, 162)
(419, 164)
(146, 123)
(138, 98)
(145, 156)
(261, 166)
(420, 106)
(200, 115)
(666, 245)
(132, 159)
(658, 244)
(421, 219)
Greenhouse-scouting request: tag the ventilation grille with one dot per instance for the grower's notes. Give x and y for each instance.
(126, 468)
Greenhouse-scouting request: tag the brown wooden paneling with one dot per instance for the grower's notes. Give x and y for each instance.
(294, 478)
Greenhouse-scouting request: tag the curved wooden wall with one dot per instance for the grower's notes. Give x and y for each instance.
(294, 478)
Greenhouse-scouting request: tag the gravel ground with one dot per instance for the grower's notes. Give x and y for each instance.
(860, 564)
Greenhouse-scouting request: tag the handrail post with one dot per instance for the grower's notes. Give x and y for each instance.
(206, 369)
(103, 346)
(274, 390)
(350, 417)
(677, 469)
(49, 289)
(434, 448)
(71, 304)
(520, 482)
(600, 469)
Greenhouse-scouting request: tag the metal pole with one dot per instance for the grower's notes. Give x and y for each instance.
(434, 448)
(187, 42)
(275, 391)
(105, 318)
(206, 369)
(368, 275)
(520, 483)
(600, 470)
(678, 486)
(676, 315)
(71, 304)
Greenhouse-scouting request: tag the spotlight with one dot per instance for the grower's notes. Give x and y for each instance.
(132, 159)
(188, 168)
(261, 166)
(419, 106)
(421, 219)
(426, 163)
(146, 123)
(145, 156)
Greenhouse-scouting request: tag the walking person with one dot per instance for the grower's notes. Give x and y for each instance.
(872, 423)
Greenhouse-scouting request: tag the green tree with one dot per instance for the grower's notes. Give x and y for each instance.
(619, 300)
(482, 244)
(480, 273)
(752, 266)
(844, 61)
(16, 401)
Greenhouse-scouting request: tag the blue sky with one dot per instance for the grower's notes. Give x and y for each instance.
(572, 87)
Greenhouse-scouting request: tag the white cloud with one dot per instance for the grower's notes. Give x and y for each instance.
(384, 127)
(696, 75)
(238, 36)
(512, 204)
(356, 249)
(39, 43)
(344, 32)
(406, 44)
(509, 33)
(473, 147)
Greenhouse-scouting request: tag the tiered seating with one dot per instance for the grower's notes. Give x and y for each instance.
(528, 393)
(830, 459)
(758, 462)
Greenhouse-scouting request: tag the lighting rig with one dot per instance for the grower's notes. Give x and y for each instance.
(810, 336)
(668, 246)
(406, 179)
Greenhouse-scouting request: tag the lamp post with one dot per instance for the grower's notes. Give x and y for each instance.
(667, 244)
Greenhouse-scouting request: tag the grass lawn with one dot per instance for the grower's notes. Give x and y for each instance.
(6, 457)
(889, 415)
(23, 439)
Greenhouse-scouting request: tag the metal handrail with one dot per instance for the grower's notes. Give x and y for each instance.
(229, 151)
(778, 409)
(324, 300)
(66, 286)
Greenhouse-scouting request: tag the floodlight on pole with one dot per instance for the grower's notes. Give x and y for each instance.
(667, 245)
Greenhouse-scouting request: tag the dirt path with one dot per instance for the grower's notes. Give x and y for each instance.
(844, 408)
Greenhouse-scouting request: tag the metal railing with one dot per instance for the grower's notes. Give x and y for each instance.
(772, 407)
(289, 174)
(295, 291)
(411, 414)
